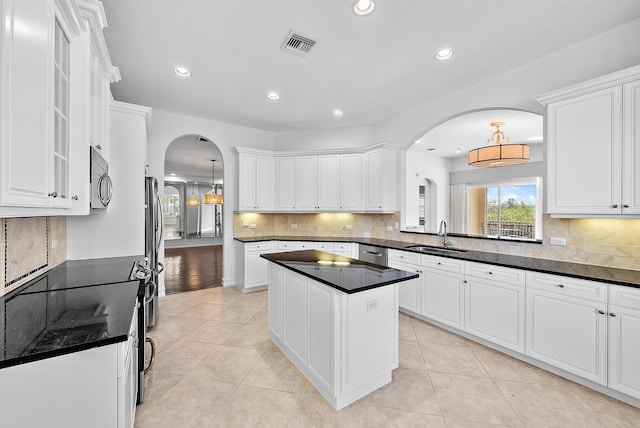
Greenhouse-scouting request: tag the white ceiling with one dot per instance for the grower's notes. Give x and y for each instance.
(372, 68)
(188, 158)
(472, 130)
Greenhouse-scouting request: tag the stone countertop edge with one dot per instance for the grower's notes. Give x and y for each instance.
(354, 262)
(618, 276)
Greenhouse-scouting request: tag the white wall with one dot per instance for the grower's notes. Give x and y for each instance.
(418, 167)
(169, 126)
(331, 138)
(517, 88)
(119, 230)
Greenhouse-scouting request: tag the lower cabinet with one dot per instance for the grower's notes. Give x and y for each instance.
(346, 345)
(408, 291)
(92, 388)
(443, 290)
(567, 324)
(494, 304)
(253, 269)
(624, 340)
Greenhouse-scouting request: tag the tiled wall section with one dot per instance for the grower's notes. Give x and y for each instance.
(603, 242)
(27, 245)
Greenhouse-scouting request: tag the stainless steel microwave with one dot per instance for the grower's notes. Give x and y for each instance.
(101, 185)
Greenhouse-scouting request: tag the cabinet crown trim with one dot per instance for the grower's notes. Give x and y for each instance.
(613, 79)
(343, 151)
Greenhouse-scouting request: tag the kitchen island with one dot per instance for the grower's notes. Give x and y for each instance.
(336, 319)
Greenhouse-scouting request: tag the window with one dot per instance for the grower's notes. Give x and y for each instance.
(506, 210)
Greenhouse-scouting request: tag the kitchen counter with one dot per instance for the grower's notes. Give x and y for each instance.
(610, 275)
(75, 306)
(342, 273)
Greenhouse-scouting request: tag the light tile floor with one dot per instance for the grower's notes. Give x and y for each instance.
(216, 367)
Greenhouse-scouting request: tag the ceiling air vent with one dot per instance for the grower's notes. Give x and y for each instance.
(297, 44)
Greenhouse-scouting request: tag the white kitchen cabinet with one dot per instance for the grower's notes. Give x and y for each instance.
(495, 304)
(285, 189)
(624, 346)
(92, 388)
(341, 345)
(592, 147)
(351, 182)
(327, 247)
(345, 249)
(255, 181)
(329, 183)
(306, 183)
(566, 324)
(253, 272)
(379, 177)
(276, 296)
(408, 291)
(443, 290)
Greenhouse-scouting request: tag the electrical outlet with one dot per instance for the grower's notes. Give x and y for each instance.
(396, 226)
(372, 305)
(389, 228)
(54, 243)
(558, 241)
(294, 226)
(245, 223)
(252, 226)
(349, 227)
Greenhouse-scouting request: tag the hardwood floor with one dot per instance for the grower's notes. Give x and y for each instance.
(192, 268)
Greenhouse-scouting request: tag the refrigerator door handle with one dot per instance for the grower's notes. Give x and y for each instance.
(160, 223)
(160, 269)
(155, 287)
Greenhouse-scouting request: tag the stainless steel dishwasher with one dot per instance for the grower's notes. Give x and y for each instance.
(371, 254)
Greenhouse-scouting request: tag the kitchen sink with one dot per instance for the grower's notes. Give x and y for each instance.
(434, 250)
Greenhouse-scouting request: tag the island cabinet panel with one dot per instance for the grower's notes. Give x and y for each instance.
(346, 345)
(624, 342)
(295, 314)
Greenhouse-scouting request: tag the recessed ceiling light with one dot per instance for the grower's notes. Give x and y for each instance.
(173, 173)
(417, 141)
(458, 150)
(363, 7)
(273, 96)
(336, 113)
(444, 54)
(182, 72)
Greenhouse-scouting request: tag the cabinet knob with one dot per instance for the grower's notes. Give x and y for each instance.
(74, 197)
(439, 263)
(614, 206)
(625, 206)
(490, 273)
(612, 314)
(53, 194)
(601, 312)
(98, 146)
(561, 285)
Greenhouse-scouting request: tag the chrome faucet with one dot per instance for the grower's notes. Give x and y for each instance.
(443, 232)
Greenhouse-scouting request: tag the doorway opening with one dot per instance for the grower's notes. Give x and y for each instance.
(193, 215)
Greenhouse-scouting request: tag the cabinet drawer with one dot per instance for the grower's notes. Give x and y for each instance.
(442, 263)
(567, 286)
(627, 297)
(285, 245)
(257, 246)
(342, 246)
(304, 245)
(403, 256)
(495, 273)
(323, 246)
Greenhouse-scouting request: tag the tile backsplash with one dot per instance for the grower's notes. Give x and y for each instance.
(602, 242)
(30, 246)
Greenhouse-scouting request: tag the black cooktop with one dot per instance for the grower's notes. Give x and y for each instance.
(75, 306)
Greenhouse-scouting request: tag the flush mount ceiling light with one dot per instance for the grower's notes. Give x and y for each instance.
(273, 96)
(212, 197)
(363, 7)
(444, 54)
(336, 113)
(182, 72)
(499, 154)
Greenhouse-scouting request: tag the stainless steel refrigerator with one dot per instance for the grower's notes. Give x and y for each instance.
(153, 240)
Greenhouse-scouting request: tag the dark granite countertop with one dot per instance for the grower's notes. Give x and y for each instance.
(610, 275)
(75, 306)
(342, 273)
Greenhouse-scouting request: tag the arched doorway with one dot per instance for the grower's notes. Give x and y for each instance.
(193, 219)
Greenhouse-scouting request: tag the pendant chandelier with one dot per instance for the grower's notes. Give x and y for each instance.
(499, 154)
(193, 200)
(212, 197)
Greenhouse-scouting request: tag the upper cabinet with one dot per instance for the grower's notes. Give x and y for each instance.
(593, 147)
(255, 181)
(45, 109)
(325, 182)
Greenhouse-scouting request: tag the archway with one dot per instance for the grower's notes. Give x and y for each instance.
(193, 217)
